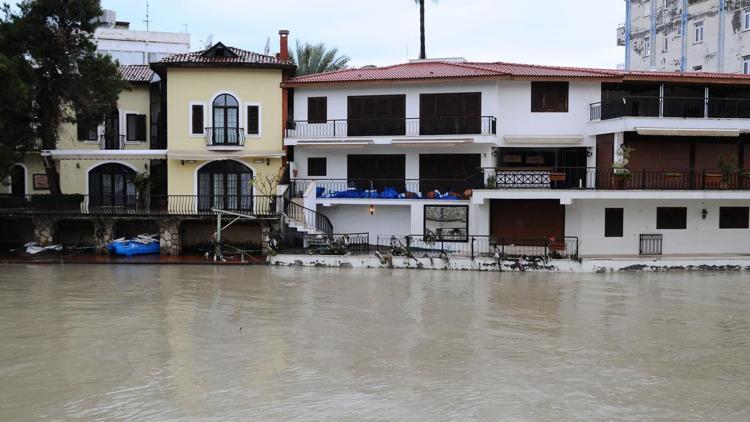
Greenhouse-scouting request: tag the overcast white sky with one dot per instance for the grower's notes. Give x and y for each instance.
(380, 32)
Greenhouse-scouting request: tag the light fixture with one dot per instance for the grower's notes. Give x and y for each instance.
(78, 165)
(372, 209)
(145, 166)
(704, 213)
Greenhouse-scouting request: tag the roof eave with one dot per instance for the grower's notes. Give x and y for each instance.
(293, 84)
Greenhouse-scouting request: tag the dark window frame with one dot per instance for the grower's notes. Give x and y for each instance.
(314, 170)
(194, 122)
(86, 131)
(543, 100)
(734, 222)
(450, 238)
(665, 221)
(138, 133)
(614, 228)
(253, 119)
(317, 110)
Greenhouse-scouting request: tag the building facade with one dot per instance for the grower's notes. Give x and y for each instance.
(581, 162)
(686, 35)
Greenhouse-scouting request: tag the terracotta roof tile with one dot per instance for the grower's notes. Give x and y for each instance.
(240, 57)
(136, 73)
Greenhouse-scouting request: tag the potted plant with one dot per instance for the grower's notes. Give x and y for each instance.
(142, 183)
(620, 170)
(745, 178)
(727, 167)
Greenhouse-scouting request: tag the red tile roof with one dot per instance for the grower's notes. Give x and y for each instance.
(136, 73)
(240, 57)
(430, 70)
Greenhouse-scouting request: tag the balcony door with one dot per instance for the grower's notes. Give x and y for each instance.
(112, 185)
(226, 185)
(112, 131)
(377, 171)
(450, 114)
(377, 115)
(226, 118)
(17, 181)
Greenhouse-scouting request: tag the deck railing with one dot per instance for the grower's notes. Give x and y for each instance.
(478, 246)
(137, 206)
(615, 178)
(417, 126)
(683, 107)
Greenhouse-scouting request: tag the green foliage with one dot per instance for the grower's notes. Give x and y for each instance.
(50, 56)
(317, 58)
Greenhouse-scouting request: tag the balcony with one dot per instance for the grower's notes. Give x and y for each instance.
(675, 107)
(225, 138)
(74, 205)
(111, 142)
(446, 189)
(592, 178)
(418, 126)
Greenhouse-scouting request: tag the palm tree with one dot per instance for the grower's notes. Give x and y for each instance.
(422, 53)
(317, 59)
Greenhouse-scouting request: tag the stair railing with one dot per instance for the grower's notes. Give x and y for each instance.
(307, 216)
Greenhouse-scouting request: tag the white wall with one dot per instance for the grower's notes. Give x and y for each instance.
(585, 219)
(387, 220)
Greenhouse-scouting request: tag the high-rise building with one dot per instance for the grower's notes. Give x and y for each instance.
(131, 47)
(686, 35)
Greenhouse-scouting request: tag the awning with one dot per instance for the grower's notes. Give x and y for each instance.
(221, 155)
(658, 131)
(544, 139)
(106, 154)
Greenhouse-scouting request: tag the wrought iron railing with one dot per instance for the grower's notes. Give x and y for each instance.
(418, 126)
(615, 178)
(388, 188)
(478, 246)
(309, 217)
(111, 141)
(225, 136)
(133, 205)
(685, 107)
(650, 244)
(336, 244)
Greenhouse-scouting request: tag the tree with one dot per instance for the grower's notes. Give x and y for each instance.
(422, 50)
(51, 41)
(312, 59)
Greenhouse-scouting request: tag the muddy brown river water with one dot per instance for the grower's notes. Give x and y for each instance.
(256, 343)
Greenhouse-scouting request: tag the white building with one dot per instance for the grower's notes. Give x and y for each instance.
(525, 156)
(686, 35)
(131, 47)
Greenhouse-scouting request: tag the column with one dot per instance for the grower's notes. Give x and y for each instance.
(169, 236)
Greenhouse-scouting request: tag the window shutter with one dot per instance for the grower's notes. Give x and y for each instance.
(197, 120)
(253, 124)
(140, 128)
(317, 109)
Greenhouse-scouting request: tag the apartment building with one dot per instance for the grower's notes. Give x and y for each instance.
(686, 35)
(589, 162)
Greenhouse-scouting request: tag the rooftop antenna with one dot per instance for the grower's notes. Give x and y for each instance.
(267, 49)
(148, 20)
(209, 42)
(184, 28)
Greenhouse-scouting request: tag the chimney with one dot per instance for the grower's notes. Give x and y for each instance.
(284, 45)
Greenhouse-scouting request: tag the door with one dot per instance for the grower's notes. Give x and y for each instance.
(524, 219)
(376, 115)
(17, 181)
(112, 131)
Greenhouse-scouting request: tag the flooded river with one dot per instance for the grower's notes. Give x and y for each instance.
(256, 343)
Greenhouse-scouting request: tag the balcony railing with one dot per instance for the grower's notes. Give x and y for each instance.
(473, 246)
(225, 137)
(683, 107)
(615, 179)
(113, 142)
(134, 206)
(388, 188)
(419, 126)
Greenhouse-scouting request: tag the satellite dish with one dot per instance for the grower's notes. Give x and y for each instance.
(267, 50)
(209, 42)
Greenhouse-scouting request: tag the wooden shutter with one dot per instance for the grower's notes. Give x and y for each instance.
(253, 120)
(317, 110)
(140, 128)
(197, 119)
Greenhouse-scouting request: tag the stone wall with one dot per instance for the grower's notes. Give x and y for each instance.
(169, 237)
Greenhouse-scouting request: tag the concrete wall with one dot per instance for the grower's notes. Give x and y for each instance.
(585, 219)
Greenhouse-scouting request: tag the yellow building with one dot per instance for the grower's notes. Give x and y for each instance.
(224, 123)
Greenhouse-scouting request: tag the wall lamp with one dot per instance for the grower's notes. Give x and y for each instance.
(372, 209)
(704, 213)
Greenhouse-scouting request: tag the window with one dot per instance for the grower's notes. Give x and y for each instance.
(449, 223)
(136, 127)
(734, 217)
(697, 68)
(647, 46)
(613, 222)
(317, 110)
(671, 218)
(253, 120)
(87, 131)
(376, 115)
(196, 118)
(226, 119)
(698, 30)
(449, 114)
(746, 65)
(112, 185)
(225, 184)
(317, 166)
(746, 19)
(549, 97)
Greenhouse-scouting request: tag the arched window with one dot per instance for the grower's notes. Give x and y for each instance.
(112, 185)
(225, 185)
(226, 113)
(17, 180)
